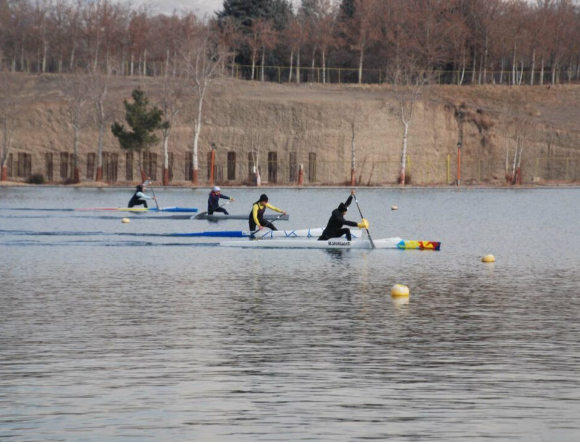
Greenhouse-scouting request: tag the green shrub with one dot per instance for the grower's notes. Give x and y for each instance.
(36, 179)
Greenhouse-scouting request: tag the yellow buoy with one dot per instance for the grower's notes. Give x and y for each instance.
(125, 220)
(488, 258)
(400, 291)
(394, 208)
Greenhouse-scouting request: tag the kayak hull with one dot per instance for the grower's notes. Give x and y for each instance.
(264, 234)
(205, 216)
(394, 243)
(144, 210)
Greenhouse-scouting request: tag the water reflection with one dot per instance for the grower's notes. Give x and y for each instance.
(104, 336)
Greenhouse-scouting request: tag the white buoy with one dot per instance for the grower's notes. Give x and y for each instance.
(400, 291)
(488, 258)
(125, 220)
(394, 208)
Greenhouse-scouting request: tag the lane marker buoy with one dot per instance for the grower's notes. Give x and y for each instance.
(400, 291)
(394, 208)
(488, 258)
(125, 220)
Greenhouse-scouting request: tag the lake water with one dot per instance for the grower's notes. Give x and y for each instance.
(109, 332)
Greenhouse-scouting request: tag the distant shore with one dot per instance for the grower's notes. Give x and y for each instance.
(546, 185)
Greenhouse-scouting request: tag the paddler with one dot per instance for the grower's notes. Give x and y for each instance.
(256, 218)
(140, 198)
(334, 226)
(213, 203)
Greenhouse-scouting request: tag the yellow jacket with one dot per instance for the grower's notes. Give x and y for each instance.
(258, 209)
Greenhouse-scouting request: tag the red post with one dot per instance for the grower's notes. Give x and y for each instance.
(99, 177)
(458, 163)
(194, 177)
(165, 177)
(301, 175)
(211, 178)
(4, 176)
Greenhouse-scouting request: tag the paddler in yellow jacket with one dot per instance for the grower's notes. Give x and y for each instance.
(256, 217)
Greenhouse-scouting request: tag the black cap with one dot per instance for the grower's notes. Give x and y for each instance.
(342, 208)
(263, 198)
(139, 187)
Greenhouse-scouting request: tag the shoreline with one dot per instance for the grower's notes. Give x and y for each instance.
(568, 185)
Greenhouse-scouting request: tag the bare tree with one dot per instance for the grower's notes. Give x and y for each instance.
(362, 29)
(408, 84)
(98, 84)
(171, 103)
(12, 102)
(353, 118)
(202, 57)
(77, 98)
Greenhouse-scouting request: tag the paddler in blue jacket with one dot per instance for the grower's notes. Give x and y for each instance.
(334, 226)
(140, 198)
(256, 217)
(213, 203)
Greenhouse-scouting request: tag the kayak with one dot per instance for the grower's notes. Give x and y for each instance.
(263, 234)
(144, 210)
(215, 216)
(395, 243)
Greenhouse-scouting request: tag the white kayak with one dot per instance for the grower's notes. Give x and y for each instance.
(308, 233)
(395, 243)
(263, 234)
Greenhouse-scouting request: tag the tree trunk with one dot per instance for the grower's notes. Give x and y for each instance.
(262, 67)
(542, 72)
(474, 69)
(253, 64)
(360, 65)
(533, 67)
(165, 160)
(291, 61)
(76, 178)
(298, 67)
(196, 132)
(100, 154)
(404, 153)
(323, 67)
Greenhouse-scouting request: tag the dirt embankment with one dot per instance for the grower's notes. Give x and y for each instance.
(310, 124)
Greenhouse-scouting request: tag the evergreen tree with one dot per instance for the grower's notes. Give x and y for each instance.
(246, 11)
(143, 122)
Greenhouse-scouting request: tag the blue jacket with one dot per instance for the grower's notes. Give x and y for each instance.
(214, 200)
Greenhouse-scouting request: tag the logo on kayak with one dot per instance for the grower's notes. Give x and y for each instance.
(339, 243)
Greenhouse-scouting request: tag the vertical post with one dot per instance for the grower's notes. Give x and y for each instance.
(448, 169)
(301, 175)
(211, 175)
(4, 176)
(279, 81)
(458, 163)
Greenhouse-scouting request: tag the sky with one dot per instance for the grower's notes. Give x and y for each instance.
(200, 7)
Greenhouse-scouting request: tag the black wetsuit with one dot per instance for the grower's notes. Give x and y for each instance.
(136, 200)
(335, 223)
(213, 203)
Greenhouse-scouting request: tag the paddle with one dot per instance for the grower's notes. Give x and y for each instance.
(222, 205)
(274, 220)
(148, 183)
(362, 217)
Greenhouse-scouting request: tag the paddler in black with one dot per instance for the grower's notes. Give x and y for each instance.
(256, 218)
(140, 198)
(337, 220)
(213, 203)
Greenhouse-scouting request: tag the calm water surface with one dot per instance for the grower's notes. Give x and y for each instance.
(110, 332)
